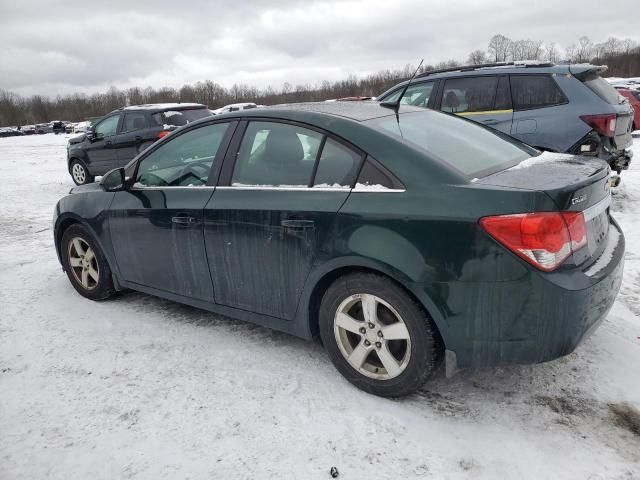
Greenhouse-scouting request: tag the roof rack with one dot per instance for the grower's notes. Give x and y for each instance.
(468, 68)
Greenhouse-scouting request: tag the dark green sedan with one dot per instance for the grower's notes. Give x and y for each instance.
(402, 239)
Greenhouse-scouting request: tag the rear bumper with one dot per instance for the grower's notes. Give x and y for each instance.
(537, 318)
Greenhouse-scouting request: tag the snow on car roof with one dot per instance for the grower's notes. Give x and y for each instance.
(164, 106)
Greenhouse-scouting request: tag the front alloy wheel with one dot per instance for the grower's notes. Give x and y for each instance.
(83, 263)
(80, 174)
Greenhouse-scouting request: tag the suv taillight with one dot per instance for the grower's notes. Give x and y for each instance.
(604, 124)
(163, 134)
(544, 239)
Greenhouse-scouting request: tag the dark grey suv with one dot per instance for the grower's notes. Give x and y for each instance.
(558, 108)
(119, 136)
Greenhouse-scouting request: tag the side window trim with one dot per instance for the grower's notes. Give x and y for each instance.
(233, 150)
(217, 161)
(397, 185)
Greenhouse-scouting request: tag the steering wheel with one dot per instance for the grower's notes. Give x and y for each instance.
(198, 170)
(152, 180)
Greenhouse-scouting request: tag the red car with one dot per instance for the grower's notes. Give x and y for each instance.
(634, 99)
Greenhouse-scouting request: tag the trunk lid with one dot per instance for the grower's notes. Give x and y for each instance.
(574, 183)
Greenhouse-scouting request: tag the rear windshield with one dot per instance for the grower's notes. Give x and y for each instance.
(178, 118)
(472, 149)
(602, 88)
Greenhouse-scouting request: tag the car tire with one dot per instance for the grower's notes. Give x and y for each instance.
(143, 146)
(397, 347)
(79, 173)
(85, 263)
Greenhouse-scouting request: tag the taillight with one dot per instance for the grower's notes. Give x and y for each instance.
(604, 124)
(163, 134)
(544, 239)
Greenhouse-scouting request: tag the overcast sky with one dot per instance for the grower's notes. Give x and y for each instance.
(47, 47)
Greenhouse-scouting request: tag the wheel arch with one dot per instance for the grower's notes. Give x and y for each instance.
(321, 283)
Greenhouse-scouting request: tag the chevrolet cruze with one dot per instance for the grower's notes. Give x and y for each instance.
(402, 238)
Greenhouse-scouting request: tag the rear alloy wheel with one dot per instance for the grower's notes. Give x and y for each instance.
(80, 174)
(85, 264)
(378, 337)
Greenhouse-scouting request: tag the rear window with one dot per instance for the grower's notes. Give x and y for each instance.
(602, 88)
(472, 149)
(178, 118)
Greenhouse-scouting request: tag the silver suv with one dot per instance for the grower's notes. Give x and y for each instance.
(558, 108)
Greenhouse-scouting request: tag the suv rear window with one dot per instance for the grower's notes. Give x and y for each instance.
(472, 149)
(602, 88)
(178, 118)
(535, 91)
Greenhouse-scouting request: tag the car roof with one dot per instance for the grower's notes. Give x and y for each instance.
(529, 67)
(356, 111)
(158, 107)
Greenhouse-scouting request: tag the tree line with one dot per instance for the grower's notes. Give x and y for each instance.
(621, 55)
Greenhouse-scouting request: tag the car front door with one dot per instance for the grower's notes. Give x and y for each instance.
(100, 149)
(483, 99)
(273, 211)
(420, 94)
(156, 225)
(130, 135)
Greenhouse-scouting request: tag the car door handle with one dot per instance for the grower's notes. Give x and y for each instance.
(180, 220)
(490, 121)
(297, 224)
(138, 138)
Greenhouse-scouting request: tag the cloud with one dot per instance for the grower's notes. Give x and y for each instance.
(50, 48)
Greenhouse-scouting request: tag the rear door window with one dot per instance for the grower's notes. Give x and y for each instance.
(276, 154)
(133, 121)
(338, 166)
(469, 94)
(535, 91)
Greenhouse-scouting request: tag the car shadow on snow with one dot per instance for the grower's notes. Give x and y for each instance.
(552, 393)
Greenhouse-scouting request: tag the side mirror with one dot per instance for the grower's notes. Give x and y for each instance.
(114, 180)
(90, 134)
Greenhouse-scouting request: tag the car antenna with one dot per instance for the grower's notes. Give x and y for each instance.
(395, 106)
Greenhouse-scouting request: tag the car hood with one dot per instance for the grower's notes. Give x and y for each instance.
(77, 139)
(89, 187)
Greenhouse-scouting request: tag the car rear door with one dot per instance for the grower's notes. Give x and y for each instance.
(540, 117)
(274, 208)
(484, 99)
(156, 226)
(130, 135)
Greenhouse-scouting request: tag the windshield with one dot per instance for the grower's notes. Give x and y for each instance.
(472, 149)
(178, 118)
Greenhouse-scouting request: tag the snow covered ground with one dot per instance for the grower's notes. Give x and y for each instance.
(139, 387)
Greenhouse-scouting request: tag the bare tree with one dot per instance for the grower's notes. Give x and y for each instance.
(551, 53)
(584, 50)
(477, 57)
(499, 47)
